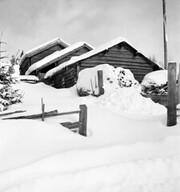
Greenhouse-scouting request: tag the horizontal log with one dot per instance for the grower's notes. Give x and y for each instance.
(70, 125)
(46, 114)
(35, 116)
(131, 66)
(10, 113)
(116, 62)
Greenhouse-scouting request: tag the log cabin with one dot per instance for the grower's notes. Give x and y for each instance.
(118, 53)
(34, 55)
(55, 59)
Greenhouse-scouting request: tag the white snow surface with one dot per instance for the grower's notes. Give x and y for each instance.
(54, 56)
(120, 153)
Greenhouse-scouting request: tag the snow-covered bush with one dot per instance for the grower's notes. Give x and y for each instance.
(157, 78)
(125, 77)
(155, 83)
(9, 76)
(113, 78)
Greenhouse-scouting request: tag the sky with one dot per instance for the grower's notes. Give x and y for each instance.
(29, 23)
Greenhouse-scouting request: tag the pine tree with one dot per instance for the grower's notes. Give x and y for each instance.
(8, 95)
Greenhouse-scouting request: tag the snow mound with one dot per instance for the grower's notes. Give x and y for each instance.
(157, 78)
(129, 102)
(113, 78)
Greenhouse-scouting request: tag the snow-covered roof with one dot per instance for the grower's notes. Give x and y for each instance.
(84, 56)
(44, 46)
(103, 47)
(56, 56)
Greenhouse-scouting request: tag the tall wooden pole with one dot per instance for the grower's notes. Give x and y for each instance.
(165, 34)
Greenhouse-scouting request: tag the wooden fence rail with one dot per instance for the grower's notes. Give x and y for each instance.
(81, 124)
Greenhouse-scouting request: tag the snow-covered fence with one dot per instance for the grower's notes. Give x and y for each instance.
(81, 124)
(173, 94)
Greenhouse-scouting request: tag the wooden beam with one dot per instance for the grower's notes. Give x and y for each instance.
(10, 113)
(178, 99)
(35, 116)
(172, 95)
(100, 82)
(165, 34)
(70, 125)
(83, 120)
(42, 108)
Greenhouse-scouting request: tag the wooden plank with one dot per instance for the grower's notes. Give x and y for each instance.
(70, 125)
(35, 116)
(46, 114)
(179, 86)
(67, 113)
(83, 120)
(42, 108)
(171, 107)
(10, 113)
(100, 82)
(116, 64)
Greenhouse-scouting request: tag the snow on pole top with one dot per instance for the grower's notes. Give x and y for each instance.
(55, 56)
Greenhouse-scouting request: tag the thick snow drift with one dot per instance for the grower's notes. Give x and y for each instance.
(129, 148)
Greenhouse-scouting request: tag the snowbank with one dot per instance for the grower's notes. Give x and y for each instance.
(130, 103)
(113, 78)
(120, 153)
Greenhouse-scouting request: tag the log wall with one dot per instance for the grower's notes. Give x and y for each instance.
(45, 53)
(120, 55)
(36, 57)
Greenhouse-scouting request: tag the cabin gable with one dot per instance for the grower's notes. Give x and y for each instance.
(76, 52)
(39, 53)
(124, 56)
(116, 53)
(45, 53)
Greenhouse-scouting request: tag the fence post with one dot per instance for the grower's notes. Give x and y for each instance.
(83, 120)
(172, 95)
(178, 99)
(42, 108)
(100, 82)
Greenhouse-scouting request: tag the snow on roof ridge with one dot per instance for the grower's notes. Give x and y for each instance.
(58, 54)
(52, 41)
(86, 55)
(47, 43)
(102, 47)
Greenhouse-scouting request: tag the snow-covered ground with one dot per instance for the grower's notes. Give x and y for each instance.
(129, 148)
